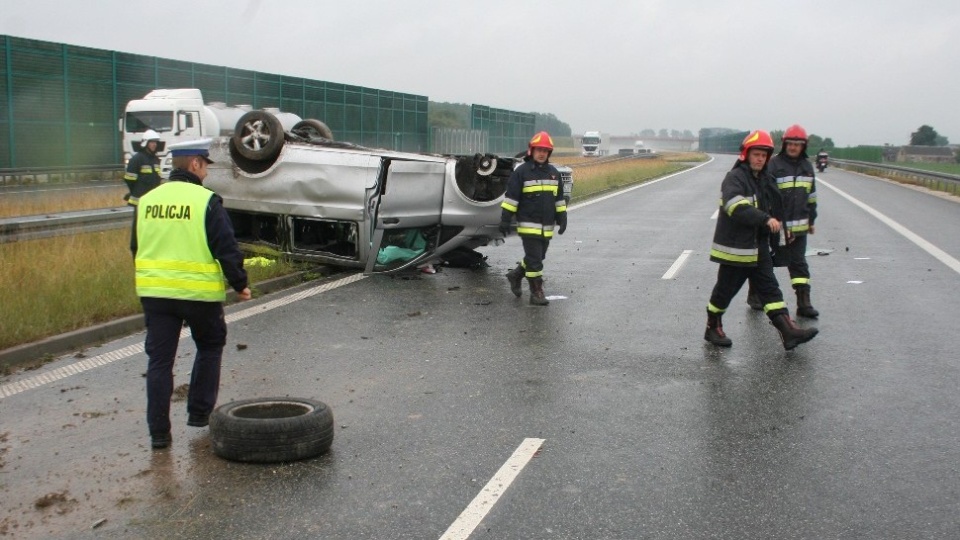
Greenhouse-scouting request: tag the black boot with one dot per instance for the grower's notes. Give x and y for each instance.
(804, 307)
(537, 297)
(753, 300)
(714, 333)
(791, 334)
(515, 277)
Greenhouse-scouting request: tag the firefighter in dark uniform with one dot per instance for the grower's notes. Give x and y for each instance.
(143, 170)
(798, 187)
(749, 202)
(535, 195)
(183, 246)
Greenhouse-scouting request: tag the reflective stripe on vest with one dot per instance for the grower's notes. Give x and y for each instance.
(173, 259)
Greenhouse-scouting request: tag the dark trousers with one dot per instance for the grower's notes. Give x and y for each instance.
(534, 252)
(762, 281)
(164, 319)
(798, 267)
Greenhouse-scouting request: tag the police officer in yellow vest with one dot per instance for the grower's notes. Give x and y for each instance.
(183, 246)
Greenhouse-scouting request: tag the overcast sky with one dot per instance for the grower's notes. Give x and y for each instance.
(859, 71)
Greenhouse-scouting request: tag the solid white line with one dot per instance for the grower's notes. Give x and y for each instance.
(629, 189)
(716, 214)
(938, 253)
(75, 368)
(677, 264)
(468, 520)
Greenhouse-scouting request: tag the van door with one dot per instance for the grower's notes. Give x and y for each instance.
(407, 217)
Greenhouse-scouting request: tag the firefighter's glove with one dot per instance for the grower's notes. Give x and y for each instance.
(562, 222)
(505, 227)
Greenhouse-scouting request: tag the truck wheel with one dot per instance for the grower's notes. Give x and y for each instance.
(268, 430)
(313, 128)
(258, 136)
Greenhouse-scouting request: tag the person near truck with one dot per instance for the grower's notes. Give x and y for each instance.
(143, 169)
(535, 196)
(749, 202)
(183, 246)
(797, 183)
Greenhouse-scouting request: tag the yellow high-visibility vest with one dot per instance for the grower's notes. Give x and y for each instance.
(173, 259)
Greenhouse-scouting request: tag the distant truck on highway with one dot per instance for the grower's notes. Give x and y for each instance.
(591, 143)
(179, 114)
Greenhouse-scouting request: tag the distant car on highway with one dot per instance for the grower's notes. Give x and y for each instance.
(316, 199)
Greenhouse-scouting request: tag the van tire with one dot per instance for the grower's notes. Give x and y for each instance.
(270, 430)
(314, 128)
(258, 136)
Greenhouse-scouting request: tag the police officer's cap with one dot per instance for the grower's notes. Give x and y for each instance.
(199, 147)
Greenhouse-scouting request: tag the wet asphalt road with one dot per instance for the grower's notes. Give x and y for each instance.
(434, 380)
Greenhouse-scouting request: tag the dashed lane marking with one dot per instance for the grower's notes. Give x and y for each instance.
(75, 368)
(938, 253)
(474, 513)
(677, 264)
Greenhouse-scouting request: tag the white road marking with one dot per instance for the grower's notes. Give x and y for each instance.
(938, 253)
(474, 513)
(861, 258)
(677, 264)
(628, 190)
(855, 282)
(716, 214)
(48, 377)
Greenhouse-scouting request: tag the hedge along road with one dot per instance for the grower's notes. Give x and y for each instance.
(640, 428)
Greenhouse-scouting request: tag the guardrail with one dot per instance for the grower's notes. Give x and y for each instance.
(64, 223)
(949, 183)
(27, 176)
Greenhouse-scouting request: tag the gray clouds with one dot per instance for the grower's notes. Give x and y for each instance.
(860, 72)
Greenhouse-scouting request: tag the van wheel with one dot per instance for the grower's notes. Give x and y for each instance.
(313, 128)
(258, 136)
(268, 430)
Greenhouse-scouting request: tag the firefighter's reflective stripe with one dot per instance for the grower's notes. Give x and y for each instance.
(132, 177)
(714, 309)
(147, 169)
(812, 198)
(800, 281)
(799, 225)
(737, 201)
(735, 255)
(535, 186)
(173, 259)
(773, 306)
(509, 205)
(790, 182)
(533, 228)
(561, 205)
(133, 201)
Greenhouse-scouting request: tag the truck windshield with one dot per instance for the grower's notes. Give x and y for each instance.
(591, 140)
(140, 121)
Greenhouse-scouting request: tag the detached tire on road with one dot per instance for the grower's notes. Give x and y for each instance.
(268, 430)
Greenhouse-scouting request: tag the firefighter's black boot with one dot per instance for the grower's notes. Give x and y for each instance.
(804, 307)
(791, 334)
(753, 300)
(515, 277)
(537, 297)
(714, 333)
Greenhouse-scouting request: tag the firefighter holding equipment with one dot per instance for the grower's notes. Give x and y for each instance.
(183, 246)
(535, 196)
(749, 202)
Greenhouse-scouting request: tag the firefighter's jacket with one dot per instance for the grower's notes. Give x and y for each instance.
(142, 175)
(535, 195)
(746, 203)
(798, 188)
